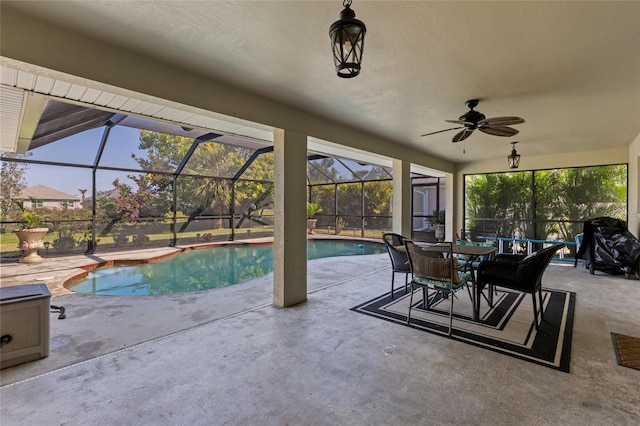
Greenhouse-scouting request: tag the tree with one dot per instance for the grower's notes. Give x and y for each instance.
(12, 182)
(568, 197)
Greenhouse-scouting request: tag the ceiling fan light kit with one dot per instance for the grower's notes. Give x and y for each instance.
(514, 157)
(347, 42)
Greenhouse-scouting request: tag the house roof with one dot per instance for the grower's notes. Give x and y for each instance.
(42, 192)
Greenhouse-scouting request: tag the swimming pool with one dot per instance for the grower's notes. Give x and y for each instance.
(207, 268)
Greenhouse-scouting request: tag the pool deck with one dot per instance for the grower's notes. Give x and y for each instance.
(228, 356)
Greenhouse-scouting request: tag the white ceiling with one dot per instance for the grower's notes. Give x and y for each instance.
(570, 69)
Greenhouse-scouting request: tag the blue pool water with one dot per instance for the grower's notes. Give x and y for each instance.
(207, 268)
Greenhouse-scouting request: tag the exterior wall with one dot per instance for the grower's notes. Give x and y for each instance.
(53, 204)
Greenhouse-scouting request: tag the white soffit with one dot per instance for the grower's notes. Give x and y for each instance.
(11, 101)
(329, 148)
(15, 82)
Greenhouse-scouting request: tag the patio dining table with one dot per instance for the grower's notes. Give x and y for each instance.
(471, 253)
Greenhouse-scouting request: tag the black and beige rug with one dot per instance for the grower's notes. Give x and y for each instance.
(507, 328)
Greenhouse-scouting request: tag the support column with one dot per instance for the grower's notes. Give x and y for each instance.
(453, 223)
(401, 207)
(290, 222)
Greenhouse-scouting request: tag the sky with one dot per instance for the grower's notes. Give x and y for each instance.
(82, 149)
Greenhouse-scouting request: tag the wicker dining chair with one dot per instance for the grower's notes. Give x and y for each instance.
(399, 260)
(439, 273)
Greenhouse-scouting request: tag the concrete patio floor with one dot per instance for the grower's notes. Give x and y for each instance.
(228, 356)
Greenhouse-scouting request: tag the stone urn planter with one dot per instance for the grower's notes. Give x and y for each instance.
(30, 242)
(439, 232)
(311, 225)
(312, 209)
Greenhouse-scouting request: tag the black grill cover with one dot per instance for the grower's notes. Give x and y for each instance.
(608, 246)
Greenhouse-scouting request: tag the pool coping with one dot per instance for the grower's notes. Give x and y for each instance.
(58, 273)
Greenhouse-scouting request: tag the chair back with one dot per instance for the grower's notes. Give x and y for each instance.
(523, 274)
(479, 235)
(433, 261)
(532, 267)
(397, 251)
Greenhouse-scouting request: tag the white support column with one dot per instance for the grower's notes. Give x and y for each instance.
(451, 230)
(401, 207)
(290, 222)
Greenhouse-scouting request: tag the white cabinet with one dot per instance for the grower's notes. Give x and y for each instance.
(24, 323)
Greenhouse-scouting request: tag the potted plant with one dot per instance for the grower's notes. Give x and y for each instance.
(438, 220)
(312, 209)
(30, 236)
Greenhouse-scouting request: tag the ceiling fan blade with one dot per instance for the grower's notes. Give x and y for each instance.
(499, 131)
(464, 123)
(501, 121)
(462, 135)
(440, 131)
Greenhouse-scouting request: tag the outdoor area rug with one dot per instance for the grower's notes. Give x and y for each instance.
(507, 328)
(627, 350)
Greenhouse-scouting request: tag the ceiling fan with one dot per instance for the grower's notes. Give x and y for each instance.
(473, 120)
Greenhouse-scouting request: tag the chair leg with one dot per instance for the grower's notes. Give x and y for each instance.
(451, 315)
(410, 304)
(406, 282)
(535, 311)
(425, 298)
(469, 292)
(393, 276)
(541, 308)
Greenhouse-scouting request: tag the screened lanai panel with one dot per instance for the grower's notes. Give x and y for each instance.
(350, 199)
(132, 209)
(214, 159)
(321, 170)
(545, 204)
(260, 169)
(353, 170)
(325, 196)
(500, 201)
(567, 197)
(253, 206)
(377, 198)
(58, 193)
(80, 148)
(202, 208)
(136, 149)
(583, 192)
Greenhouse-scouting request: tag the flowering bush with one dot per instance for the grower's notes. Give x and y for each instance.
(129, 203)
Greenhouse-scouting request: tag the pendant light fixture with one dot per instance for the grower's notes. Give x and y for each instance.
(514, 157)
(347, 42)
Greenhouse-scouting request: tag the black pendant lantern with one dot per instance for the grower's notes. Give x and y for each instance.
(347, 42)
(514, 157)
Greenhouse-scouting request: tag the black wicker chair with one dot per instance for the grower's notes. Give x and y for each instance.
(399, 260)
(517, 272)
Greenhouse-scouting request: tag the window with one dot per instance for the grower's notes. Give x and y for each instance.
(36, 204)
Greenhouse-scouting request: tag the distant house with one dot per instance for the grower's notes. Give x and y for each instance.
(40, 196)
